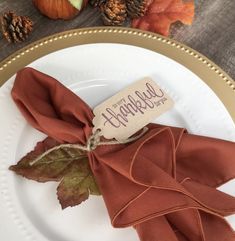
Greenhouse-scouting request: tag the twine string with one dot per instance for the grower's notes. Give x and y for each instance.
(92, 143)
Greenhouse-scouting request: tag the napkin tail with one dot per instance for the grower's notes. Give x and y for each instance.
(156, 229)
(216, 228)
(206, 160)
(178, 226)
(188, 223)
(215, 200)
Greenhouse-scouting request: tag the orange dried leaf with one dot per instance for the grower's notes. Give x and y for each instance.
(162, 13)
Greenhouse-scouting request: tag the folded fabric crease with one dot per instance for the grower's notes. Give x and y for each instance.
(163, 184)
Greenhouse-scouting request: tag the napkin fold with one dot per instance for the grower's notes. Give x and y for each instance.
(163, 184)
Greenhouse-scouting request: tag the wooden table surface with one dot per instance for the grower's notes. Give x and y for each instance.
(212, 33)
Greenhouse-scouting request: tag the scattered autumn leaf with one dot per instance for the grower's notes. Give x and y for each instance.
(67, 165)
(162, 13)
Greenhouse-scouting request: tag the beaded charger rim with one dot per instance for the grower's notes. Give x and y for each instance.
(211, 74)
(222, 84)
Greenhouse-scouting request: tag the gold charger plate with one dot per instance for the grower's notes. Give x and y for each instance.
(209, 72)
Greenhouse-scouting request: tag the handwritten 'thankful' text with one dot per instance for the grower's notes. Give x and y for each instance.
(137, 102)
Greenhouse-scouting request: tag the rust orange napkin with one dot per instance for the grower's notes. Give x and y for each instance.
(163, 184)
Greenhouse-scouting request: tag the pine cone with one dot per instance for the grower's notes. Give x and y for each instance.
(114, 12)
(15, 28)
(136, 8)
(97, 3)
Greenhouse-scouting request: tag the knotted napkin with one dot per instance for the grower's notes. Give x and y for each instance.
(163, 184)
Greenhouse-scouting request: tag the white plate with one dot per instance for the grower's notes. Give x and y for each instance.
(30, 210)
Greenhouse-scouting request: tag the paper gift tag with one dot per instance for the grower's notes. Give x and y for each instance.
(131, 109)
